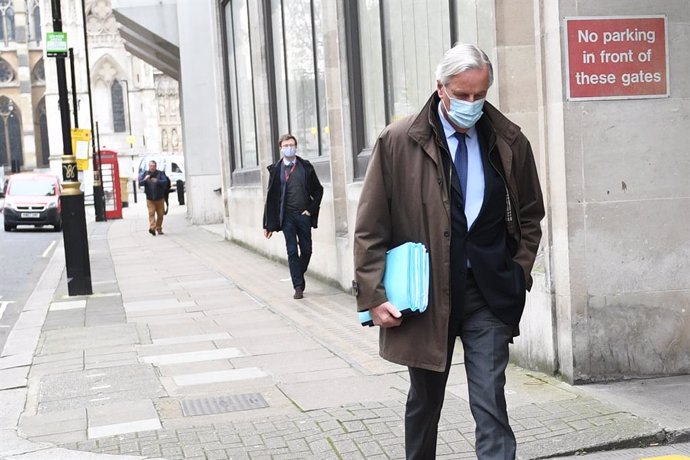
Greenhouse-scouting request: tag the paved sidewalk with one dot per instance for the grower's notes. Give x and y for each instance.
(192, 347)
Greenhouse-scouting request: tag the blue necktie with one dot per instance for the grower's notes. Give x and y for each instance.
(460, 162)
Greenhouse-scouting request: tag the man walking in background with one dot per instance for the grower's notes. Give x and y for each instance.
(155, 184)
(460, 178)
(292, 205)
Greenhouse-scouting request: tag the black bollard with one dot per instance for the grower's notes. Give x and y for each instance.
(180, 191)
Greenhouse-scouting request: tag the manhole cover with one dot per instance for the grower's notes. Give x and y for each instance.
(222, 404)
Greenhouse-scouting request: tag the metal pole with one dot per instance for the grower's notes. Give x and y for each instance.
(98, 142)
(129, 114)
(75, 105)
(98, 196)
(72, 199)
(135, 180)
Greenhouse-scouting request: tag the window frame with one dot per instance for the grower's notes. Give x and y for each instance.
(239, 176)
(322, 161)
(361, 151)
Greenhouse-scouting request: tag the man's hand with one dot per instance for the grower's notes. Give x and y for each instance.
(386, 315)
(267, 234)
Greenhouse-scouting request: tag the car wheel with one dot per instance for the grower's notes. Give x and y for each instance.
(58, 226)
(9, 227)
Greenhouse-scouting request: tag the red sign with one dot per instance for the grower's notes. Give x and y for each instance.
(617, 58)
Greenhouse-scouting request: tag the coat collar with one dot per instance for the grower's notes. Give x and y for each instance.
(496, 129)
(277, 164)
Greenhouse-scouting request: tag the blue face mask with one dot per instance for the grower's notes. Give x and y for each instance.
(462, 113)
(289, 151)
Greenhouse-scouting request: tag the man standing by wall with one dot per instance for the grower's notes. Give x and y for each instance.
(156, 185)
(460, 178)
(292, 205)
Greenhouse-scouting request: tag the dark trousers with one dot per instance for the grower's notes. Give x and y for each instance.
(297, 232)
(485, 341)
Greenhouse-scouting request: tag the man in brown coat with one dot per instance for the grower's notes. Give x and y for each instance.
(460, 178)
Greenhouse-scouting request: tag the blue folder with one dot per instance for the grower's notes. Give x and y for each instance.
(406, 280)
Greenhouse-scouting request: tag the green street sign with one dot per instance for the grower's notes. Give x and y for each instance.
(56, 44)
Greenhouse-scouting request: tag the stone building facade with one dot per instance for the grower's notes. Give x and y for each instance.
(611, 297)
(23, 122)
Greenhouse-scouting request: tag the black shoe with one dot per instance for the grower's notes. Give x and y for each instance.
(152, 231)
(160, 232)
(299, 293)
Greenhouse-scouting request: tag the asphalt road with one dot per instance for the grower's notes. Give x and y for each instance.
(24, 254)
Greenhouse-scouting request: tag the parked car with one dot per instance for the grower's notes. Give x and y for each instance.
(32, 199)
(171, 165)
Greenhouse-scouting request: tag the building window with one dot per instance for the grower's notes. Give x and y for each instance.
(43, 144)
(7, 29)
(240, 85)
(34, 15)
(11, 152)
(38, 74)
(299, 74)
(6, 72)
(417, 34)
(118, 104)
(396, 45)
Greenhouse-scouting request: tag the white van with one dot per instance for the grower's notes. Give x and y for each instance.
(171, 165)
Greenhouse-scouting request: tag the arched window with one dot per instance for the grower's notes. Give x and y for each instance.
(118, 104)
(43, 152)
(10, 135)
(38, 74)
(7, 31)
(6, 72)
(34, 13)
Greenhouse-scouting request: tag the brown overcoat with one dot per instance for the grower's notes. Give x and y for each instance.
(406, 197)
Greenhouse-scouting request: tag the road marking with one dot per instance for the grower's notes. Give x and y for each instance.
(98, 399)
(191, 339)
(232, 375)
(3, 306)
(123, 428)
(45, 253)
(192, 356)
(93, 376)
(71, 305)
(102, 387)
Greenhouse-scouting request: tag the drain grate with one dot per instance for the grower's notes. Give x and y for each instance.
(222, 404)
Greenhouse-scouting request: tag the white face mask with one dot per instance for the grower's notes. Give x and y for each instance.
(289, 151)
(464, 114)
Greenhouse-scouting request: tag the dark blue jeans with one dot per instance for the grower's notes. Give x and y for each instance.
(297, 232)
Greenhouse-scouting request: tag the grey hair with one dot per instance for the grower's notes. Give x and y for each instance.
(460, 58)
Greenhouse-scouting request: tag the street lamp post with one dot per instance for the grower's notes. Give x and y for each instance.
(72, 199)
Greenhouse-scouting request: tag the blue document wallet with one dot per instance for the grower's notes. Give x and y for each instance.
(406, 280)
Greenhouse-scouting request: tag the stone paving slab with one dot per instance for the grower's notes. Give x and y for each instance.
(122, 418)
(15, 377)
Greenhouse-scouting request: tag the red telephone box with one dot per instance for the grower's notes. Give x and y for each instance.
(110, 178)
